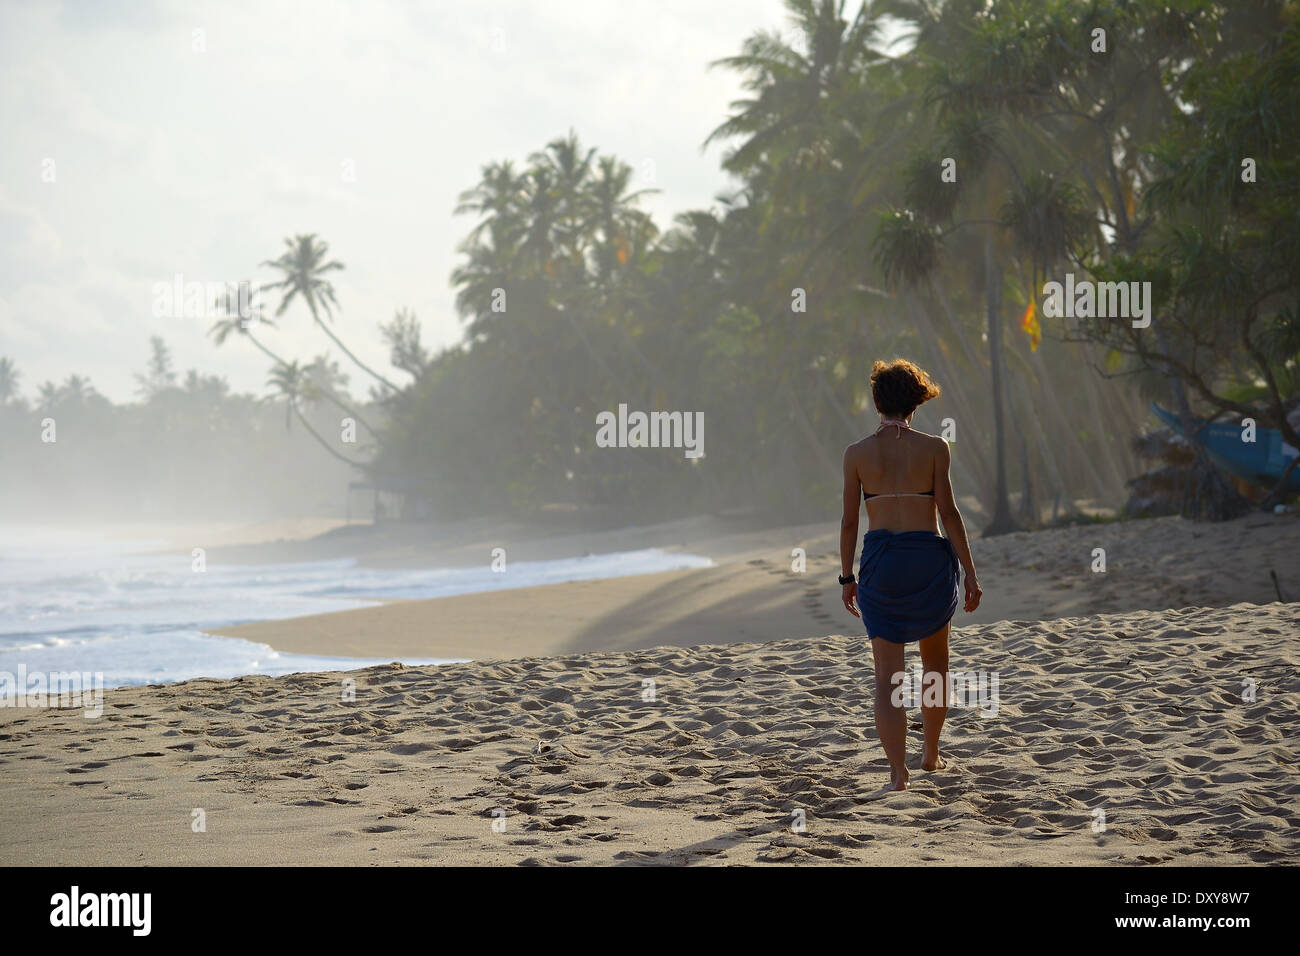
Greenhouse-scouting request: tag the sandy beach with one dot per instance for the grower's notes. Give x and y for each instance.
(720, 715)
(748, 753)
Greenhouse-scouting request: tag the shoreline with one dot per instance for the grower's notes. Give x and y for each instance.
(753, 592)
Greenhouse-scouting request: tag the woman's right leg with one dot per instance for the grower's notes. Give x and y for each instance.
(891, 720)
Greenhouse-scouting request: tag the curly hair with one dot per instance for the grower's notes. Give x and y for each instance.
(898, 387)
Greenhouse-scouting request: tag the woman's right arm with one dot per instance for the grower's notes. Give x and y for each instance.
(953, 526)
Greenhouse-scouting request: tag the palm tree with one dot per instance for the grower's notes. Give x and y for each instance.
(9, 376)
(77, 390)
(543, 214)
(621, 226)
(234, 324)
(302, 268)
(159, 375)
(793, 86)
(496, 198)
(47, 397)
(538, 230)
(567, 174)
(488, 268)
(291, 384)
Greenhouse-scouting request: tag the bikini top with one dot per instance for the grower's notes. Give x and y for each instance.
(900, 494)
(899, 426)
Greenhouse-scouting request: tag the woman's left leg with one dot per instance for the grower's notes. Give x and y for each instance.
(935, 687)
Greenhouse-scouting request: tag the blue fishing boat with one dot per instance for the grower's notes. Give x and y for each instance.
(1260, 462)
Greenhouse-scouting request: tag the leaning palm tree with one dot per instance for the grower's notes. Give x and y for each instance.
(234, 324)
(302, 268)
(231, 323)
(289, 382)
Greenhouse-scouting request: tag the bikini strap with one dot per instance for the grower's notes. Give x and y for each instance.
(896, 424)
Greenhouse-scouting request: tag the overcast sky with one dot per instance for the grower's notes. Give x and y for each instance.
(168, 159)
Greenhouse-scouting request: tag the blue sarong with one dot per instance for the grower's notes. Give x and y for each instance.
(907, 584)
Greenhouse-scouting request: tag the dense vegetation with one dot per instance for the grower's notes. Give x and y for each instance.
(845, 244)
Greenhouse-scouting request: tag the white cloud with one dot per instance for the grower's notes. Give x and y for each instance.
(172, 160)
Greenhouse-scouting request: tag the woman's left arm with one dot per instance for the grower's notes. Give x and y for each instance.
(849, 530)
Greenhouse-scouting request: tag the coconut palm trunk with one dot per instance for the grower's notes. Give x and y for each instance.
(1002, 522)
(342, 406)
(972, 459)
(311, 304)
(320, 438)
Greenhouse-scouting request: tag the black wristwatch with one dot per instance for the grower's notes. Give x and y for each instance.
(847, 579)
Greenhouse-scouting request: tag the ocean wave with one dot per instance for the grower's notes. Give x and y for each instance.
(140, 618)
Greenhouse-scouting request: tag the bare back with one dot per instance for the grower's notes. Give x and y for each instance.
(905, 475)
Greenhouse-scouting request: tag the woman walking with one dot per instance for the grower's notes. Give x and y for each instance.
(906, 587)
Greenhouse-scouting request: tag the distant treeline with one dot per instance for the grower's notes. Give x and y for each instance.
(189, 449)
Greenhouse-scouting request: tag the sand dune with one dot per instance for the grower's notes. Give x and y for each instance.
(1139, 715)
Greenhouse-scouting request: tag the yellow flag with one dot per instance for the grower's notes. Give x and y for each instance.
(1029, 323)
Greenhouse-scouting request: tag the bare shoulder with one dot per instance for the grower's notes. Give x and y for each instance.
(936, 445)
(854, 451)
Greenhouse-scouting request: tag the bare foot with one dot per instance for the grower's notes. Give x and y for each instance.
(934, 763)
(898, 780)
